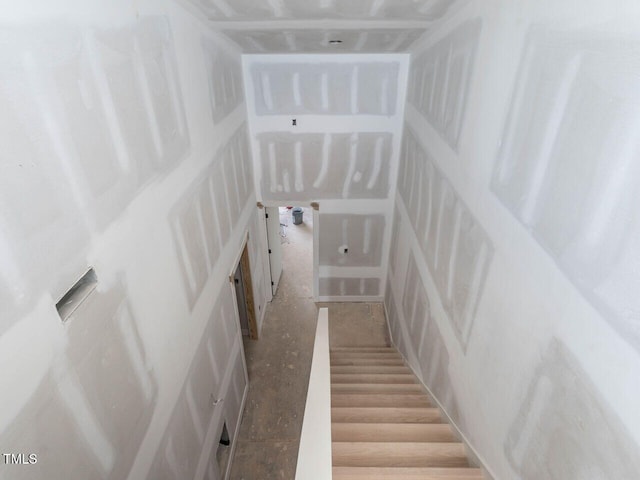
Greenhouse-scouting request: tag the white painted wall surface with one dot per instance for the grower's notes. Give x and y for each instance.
(512, 286)
(124, 148)
(342, 152)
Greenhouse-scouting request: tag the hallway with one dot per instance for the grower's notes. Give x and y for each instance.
(279, 362)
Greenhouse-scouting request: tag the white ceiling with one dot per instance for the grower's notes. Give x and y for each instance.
(306, 26)
(324, 9)
(317, 40)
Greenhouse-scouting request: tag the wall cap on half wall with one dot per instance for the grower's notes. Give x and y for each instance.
(314, 453)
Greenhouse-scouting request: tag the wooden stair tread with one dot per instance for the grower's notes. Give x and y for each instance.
(371, 369)
(392, 432)
(370, 355)
(398, 454)
(383, 426)
(379, 400)
(385, 415)
(369, 349)
(406, 473)
(375, 388)
(352, 361)
(373, 378)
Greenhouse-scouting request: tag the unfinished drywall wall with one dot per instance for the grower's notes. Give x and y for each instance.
(576, 193)
(124, 149)
(454, 245)
(225, 80)
(208, 213)
(511, 271)
(327, 128)
(440, 78)
(365, 87)
(91, 407)
(309, 165)
(212, 395)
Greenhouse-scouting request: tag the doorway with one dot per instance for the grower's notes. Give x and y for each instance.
(244, 295)
(291, 243)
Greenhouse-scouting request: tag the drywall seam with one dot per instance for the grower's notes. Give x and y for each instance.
(462, 324)
(304, 40)
(351, 298)
(460, 43)
(356, 206)
(403, 83)
(324, 123)
(330, 25)
(250, 101)
(441, 154)
(212, 33)
(327, 271)
(463, 11)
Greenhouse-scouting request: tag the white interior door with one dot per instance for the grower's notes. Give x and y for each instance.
(316, 255)
(275, 247)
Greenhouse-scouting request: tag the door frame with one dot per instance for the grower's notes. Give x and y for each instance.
(234, 444)
(242, 259)
(315, 291)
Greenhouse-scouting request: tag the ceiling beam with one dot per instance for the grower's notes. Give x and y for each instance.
(324, 24)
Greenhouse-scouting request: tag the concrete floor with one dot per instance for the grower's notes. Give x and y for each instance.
(280, 361)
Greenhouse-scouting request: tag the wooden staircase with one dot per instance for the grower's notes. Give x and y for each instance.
(383, 425)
